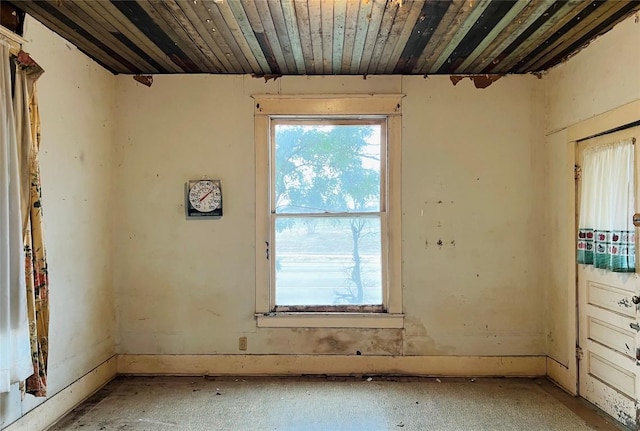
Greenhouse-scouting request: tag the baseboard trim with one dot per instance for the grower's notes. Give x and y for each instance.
(263, 365)
(58, 405)
(562, 376)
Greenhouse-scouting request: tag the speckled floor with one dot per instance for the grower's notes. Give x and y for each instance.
(194, 404)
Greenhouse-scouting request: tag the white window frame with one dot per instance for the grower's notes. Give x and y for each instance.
(388, 106)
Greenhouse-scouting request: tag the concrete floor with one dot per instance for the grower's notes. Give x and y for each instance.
(194, 404)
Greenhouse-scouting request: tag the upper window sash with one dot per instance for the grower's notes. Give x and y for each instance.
(378, 121)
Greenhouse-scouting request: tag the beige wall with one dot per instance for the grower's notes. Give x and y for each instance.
(598, 79)
(471, 175)
(187, 287)
(76, 103)
(601, 78)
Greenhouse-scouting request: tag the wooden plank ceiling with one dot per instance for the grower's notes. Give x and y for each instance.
(314, 37)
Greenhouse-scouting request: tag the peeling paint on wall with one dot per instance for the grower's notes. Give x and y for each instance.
(480, 81)
(267, 76)
(144, 79)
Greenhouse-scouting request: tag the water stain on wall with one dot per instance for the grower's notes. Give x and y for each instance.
(337, 342)
(334, 341)
(418, 342)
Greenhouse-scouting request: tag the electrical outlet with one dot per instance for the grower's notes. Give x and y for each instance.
(242, 343)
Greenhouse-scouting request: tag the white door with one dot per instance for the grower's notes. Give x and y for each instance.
(609, 365)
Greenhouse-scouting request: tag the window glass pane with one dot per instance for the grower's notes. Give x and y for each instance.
(328, 261)
(327, 168)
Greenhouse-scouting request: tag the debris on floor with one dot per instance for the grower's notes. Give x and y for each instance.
(169, 403)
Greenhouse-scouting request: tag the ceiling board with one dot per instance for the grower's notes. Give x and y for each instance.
(315, 37)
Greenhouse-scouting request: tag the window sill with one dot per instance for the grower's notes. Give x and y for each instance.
(330, 320)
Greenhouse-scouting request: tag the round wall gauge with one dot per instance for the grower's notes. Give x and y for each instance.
(204, 198)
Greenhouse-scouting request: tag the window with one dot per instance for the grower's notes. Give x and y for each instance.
(327, 207)
(327, 211)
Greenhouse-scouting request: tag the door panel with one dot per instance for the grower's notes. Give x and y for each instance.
(609, 375)
(610, 298)
(611, 336)
(622, 407)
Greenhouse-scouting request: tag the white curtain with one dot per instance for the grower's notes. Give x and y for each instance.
(606, 235)
(15, 349)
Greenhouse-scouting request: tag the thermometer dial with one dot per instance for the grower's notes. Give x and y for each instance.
(205, 196)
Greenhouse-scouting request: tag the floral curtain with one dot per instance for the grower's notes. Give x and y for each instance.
(37, 283)
(15, 361)
(606, 235)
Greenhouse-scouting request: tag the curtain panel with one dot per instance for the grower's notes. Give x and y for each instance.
(24, 286)
(606, 235)
(36, 272)
(15, 352)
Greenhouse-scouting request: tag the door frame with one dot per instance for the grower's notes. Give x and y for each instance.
(594, 391)
(564, 371)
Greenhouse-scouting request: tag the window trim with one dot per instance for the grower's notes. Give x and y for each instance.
(387, 105)
(315, 319)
